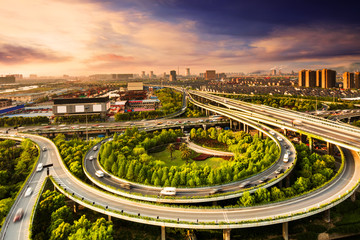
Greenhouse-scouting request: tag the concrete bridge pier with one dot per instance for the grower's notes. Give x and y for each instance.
(260, 134)
(302, 138)
(285, 131)
(163, 237)
(330, 148)
(353, 196)
(327, 216)
(287, 181)
(226, 234)
(285, 230)
(207, 112)
(235, 125)
(311, 143)
(109, 218)
(230, 124)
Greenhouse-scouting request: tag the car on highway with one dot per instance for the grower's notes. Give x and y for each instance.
(288, 152)
(245, 184)
(91, 158)
(279, 170)
(95, 148)
(28, 191)
(99, 173)
(264, 180)
(286, 158)
(18, 215)
(168, 191)
(272, 133)
(39, 167)
(125, 185)
(279, 139)
(44, 149)
(214, 191)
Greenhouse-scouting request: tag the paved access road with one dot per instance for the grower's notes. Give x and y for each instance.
(20, 229)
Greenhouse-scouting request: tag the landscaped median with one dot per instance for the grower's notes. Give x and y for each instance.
(171, 199)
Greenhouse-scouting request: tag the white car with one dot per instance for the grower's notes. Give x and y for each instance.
(168, 191)
(91, 158)
(28, 191)
(39, 167)
(95, 148)
(280, 139)
(99, 173)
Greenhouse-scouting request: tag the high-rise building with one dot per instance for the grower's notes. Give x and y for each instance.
(143, 74)
(187, 72)
(310, 78)
(318, 78)
(357, 80)
(151, 74)
(7, 79)
(172, 75)
(210, 75)
(302, 74)
(328, 78)
(273, 72)
(348, 80)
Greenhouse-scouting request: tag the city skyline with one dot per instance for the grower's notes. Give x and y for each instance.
(85, 37)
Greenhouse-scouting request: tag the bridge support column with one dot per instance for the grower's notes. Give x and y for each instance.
(287, 181)
(285, 230)
(311, 143)
(353, 197)
(226, 234)
(330, 148)
(240, 124)
(75, 207)
(327, 216)
(230, 125)
(285, 131)
(204, 127)
(235, 125)
(163, 233)
(207, 112)
(109, 218)
(202, 111)
(260, 134)
(302, 138)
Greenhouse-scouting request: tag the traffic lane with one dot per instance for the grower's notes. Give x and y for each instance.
(93, 166)
(20, 228)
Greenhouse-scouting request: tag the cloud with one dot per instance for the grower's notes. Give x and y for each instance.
(14, 54)
(308, 44)
(110, 58)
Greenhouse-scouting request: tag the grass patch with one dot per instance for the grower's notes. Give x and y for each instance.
(164, 156)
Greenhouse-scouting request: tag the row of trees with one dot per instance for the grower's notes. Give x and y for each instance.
(312, 170)
(16, 162)
(171, 102)
(292, 103)
(78, 119)
(72, 152)
(127, 157)
(18, 121)
(54, 220)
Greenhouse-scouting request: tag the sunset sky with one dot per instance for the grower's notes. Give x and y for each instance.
(83, 37)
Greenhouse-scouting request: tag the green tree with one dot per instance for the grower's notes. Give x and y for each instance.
(247, 200)
(171, 149)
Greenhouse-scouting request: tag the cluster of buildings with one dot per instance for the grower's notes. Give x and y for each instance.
(133, 99)
(326, 78)
(7, 79)
(351, 80)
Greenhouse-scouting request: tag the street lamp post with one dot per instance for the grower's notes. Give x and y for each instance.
(86, 127)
